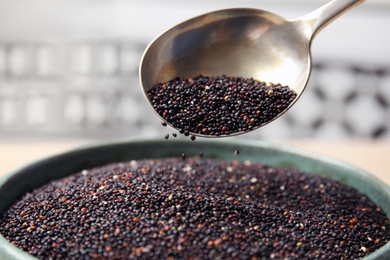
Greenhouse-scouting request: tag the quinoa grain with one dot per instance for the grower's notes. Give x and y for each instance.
(174, 209)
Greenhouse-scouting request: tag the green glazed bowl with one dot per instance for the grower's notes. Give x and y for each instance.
(15, 184)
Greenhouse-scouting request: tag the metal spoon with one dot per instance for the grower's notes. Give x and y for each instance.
(239, 42)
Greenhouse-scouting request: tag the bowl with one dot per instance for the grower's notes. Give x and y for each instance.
(17, 183)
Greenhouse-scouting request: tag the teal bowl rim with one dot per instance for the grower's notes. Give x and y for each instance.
(276, 154)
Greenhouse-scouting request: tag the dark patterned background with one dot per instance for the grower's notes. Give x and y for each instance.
(91, 89)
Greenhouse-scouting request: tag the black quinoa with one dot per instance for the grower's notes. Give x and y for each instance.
(219, 106)
(203, 208)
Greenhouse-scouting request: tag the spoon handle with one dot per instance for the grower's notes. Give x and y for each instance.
(321, 17)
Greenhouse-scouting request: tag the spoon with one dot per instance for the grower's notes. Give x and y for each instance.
(240, 42)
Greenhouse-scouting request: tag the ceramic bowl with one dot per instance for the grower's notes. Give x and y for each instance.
(17, 183)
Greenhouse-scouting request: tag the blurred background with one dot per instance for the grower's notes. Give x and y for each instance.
(69, 70)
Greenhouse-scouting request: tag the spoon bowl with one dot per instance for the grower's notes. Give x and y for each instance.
(242, 42)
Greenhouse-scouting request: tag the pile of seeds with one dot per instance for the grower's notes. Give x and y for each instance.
(211, 209)
(219, 106)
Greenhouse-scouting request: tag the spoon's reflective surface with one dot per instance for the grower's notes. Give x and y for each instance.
(239, 42)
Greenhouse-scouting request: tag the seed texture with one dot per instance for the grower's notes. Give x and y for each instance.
(212, 209)
(219, 106)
